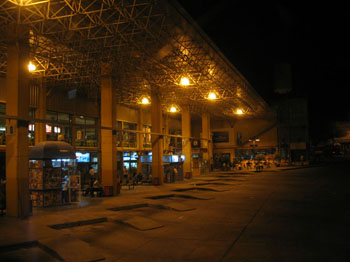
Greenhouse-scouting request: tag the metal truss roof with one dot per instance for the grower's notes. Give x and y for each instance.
(149, 44)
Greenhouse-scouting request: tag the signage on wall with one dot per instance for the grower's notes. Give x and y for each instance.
(220, 137)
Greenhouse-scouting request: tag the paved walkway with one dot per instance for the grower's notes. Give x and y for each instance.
(220, 217)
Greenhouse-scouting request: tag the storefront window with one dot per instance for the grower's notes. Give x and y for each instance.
(126, 138)
(119, 133)
(175, 142)
(61, 131)
(130, 162)
(147, 142)
(86, 132)
(2, 124)
(129, 138)
(31, 128)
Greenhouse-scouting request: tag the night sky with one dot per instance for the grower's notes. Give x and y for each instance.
(310, 37)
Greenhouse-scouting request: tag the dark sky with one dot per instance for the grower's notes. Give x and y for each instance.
(309, 35)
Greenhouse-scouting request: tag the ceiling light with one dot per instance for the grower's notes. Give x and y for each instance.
(31, 67)
(145, 101)
(212, 96)
(185, 81)
(239, 111)
(173, 109)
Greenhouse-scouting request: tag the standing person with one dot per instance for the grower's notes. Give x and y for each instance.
(92, 179)
(65, 192)
(174, 174)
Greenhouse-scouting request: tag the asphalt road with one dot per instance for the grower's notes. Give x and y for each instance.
(290, 215)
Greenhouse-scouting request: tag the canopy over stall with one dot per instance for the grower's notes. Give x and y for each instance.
(52, 150)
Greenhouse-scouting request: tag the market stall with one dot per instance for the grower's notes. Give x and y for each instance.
(52, 174)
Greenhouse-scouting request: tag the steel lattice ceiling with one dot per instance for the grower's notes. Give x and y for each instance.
(149, 43)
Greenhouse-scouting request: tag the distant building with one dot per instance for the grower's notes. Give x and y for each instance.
(293, 129)
(341, 140)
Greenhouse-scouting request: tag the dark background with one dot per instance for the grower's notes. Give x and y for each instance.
(311, 36)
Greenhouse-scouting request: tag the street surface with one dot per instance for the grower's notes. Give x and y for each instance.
(275, 215)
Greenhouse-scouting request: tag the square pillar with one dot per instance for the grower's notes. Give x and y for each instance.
(205, 142)
(140, 141)
(40, 113)
(17, 155)
(157, 140)
(186, 143)
(108, 134)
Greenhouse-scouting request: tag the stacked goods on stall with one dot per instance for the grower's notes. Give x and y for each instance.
(44, 183)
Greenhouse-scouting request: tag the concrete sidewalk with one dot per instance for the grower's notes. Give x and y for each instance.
(46, 236)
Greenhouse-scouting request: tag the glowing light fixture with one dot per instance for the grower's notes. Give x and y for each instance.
(145, 101)
(31, 67)
(212, 96)
(239, 112)
(173, 109)
(28, 2)
(184, 81)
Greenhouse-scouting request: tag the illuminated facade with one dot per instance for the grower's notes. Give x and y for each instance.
(95, 62)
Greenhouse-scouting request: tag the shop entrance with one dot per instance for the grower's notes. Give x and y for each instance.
(130, 162)
(86, 161)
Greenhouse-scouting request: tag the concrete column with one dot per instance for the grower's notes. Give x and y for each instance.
(166, 132)
(205, 141)
(140, 141)
(17, 85)
(40, 113)
(186, 143)
(108, 136)
(157, 140)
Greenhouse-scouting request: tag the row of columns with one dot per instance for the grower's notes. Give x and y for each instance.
(17, 85)
(17, 155)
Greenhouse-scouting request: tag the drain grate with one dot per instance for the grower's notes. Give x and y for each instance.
(79, 223)
(196, 188)
(177, 195)
(20, 245)
(224, 179)
(215, 184)
(129, 207)
(34, 248)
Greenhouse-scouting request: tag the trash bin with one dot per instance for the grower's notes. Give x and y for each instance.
(108, 191)
(188, 175)
(156, 181)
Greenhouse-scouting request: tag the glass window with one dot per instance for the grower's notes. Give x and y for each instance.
(31, 128)
(129, 138)
(119, 133)
(175, 142)
(86, 132)
(61, 117)
(58, 131)
(147, 142)
(3, 108)
(51, 115)
(126, 138)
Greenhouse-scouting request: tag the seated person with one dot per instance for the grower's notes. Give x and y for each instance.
(97, 187)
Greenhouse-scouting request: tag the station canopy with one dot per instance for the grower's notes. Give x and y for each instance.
(148, 45)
